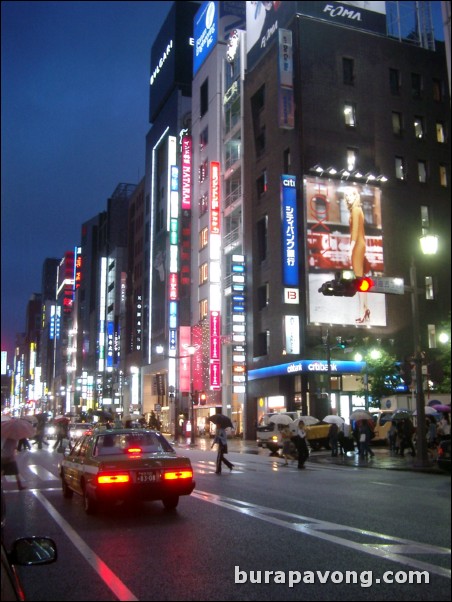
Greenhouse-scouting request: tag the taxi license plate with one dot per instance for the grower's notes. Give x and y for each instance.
(147, 477)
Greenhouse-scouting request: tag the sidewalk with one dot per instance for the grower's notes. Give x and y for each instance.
(383, 458)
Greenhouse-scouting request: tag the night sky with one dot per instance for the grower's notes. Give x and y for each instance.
(74, 94)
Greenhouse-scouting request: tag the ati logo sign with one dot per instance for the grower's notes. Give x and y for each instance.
(289, 182)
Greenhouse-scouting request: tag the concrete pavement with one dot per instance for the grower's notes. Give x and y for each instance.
(383, 458)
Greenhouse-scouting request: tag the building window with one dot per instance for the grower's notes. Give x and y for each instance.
(399, 168)
(258, 100)
(203, 171)
(260, 141)
(437, 90)
(422, 171)
(262, 346)
(440, 132)
(203, 238)
(204, 139)
(431, 333)
(263, 295)
(352, 158)
(350, 115)
(425, 218)
(203, 273)
(418, 127)
(394, 81)
(204, 97)
(262, 238)
(287, 161)
(416, 85)
(348, 68)
(443, 175)
(203, 307)
(262, 184)
(397, 123)
(429, 291)
(203, 204)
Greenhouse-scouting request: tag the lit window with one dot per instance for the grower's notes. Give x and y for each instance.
(440, 133)
(203, 273)
(203, 238)
(429, 292)
(399, 168)
(203, 306)
(422, 171)
(350, 115)
(396, 123)
(443, 175)
(419, 127)
(352, 157)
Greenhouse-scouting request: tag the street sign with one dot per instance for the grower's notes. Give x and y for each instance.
(390, 286)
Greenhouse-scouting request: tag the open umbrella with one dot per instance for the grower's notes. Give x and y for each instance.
(308, 421)
(104, 414)
(360, 415)
(428, 410)
(221, 420)
(401, 414)
(17, 428)
(61, 418)
(442, 408)
(280, 419)
(333, 419)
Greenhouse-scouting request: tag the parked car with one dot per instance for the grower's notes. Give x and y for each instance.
(25, 551)
(443, 457)
(109, 465)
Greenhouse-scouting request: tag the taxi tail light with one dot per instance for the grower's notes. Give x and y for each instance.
(113, 478)
(440, 451)
(173, 475)
(134, 450)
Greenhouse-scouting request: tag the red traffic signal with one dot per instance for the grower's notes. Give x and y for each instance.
(364, 285)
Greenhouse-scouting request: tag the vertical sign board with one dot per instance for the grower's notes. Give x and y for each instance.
(214, 271)
(289, 231)
(205, 29)
(285, 80)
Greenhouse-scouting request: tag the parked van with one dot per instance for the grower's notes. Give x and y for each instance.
(382, 421)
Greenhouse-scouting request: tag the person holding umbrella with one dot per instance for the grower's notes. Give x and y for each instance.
(12, 431)
(222, 441)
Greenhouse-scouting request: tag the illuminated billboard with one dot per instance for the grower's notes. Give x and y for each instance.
(343, 218)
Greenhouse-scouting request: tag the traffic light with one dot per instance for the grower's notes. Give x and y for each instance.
(364, 285)
(342, 287)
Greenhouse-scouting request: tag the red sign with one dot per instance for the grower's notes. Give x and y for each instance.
(186, 172)
(215, 197)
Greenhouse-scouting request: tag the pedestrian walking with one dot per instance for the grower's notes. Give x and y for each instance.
(300, 443)
(62, 434)
(333, 438)
(286, 436)
(221, 440)
(9, 462)
(406, 434)
(365, 437)
(39, 437)
(23, 444)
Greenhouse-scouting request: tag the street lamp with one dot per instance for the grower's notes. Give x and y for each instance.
(429, 245)
(191, 349)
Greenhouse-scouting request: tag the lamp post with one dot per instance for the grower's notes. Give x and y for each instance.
(429, 245)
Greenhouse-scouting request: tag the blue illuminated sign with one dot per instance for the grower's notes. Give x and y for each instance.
(205, 33)
(307, 366)
(289, 230)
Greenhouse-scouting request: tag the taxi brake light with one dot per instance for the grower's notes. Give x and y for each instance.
(134, 450)
(178, 474)
(106, 479)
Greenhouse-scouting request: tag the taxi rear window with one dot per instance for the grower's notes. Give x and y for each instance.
(111, 443)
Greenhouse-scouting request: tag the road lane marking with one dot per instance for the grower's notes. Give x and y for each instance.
(121, 591)
(42, 473)
(377, 544)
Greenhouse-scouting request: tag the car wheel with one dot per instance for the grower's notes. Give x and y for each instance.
(170, 502)
(67, 491)
(89, 504)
